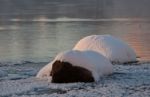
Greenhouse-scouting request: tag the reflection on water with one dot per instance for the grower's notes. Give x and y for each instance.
(41, 41)
(139, 38)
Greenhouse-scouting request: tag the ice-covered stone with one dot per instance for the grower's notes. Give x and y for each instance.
(96, 63)
(111, 47)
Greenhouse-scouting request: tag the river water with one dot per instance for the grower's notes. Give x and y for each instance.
(39, 40)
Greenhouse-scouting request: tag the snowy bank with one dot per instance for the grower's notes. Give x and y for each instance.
(126, 81)
(113, 48)
(92, 61)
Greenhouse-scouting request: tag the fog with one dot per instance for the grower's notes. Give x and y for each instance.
(75, 8)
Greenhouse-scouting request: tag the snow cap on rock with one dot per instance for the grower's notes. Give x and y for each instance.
(111, 47)
(91, 61)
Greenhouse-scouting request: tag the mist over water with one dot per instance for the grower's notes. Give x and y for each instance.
(74, 8)
(36, 30)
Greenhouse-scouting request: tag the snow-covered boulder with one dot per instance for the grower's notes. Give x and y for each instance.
(111, 47)
(44, 73)
(77, 66)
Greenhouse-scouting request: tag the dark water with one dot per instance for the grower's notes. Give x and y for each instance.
(40, 41)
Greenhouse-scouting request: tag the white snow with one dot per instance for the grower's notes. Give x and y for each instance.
(126, 81)
(111, 47)
(44, 73)
(91, 60)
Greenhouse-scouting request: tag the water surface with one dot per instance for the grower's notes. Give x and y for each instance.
(40, 41)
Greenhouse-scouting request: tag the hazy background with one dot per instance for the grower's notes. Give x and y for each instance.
(74, 8)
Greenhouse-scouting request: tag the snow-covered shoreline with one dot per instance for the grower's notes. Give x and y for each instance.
(130, 80)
